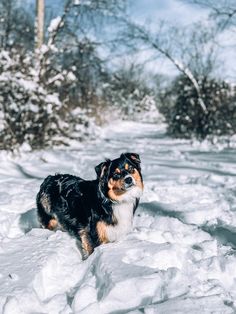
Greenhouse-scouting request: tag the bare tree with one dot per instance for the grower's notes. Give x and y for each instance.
(183, 48)
(72, 41)
(222, 11)
(197, 103)
(39, 24)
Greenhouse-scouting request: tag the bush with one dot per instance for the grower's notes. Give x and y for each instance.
(31, 110)
(186, 118)
(128, 92)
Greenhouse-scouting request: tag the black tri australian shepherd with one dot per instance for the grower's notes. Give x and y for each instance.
(97, 211)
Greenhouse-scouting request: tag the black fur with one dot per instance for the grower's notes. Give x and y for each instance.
(77, 205)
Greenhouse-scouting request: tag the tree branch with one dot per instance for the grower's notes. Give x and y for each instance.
(146, 38)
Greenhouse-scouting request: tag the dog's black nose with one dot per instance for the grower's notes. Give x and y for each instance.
(128, 180)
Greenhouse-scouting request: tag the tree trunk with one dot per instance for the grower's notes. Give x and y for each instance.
(39, 25)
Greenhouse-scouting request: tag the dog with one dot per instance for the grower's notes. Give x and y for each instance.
(97, 211)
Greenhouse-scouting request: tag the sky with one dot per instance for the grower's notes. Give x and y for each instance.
(177, 13)
(174, 11)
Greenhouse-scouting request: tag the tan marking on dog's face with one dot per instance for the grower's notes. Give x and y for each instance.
(53, 223)
(102, 232)
(126, 166)
(137, 177)
(116, 189)
(117, 170)
(86, 245)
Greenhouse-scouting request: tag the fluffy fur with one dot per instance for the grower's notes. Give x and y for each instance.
(96, 211)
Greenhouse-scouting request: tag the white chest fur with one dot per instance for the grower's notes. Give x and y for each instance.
(123, 214)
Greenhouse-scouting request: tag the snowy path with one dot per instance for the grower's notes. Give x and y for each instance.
(180, 257)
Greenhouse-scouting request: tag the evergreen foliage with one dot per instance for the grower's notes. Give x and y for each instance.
(186, 119)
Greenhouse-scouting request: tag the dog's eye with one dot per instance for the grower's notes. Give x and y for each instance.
(116, 176)
(131, 169)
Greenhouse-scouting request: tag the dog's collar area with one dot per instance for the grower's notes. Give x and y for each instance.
(107, 201)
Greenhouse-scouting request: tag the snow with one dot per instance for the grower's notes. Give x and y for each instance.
(71, 77)
(54, 24)
(178, 258)
(53, 99)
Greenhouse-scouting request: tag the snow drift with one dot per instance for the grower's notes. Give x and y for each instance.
(179, 258)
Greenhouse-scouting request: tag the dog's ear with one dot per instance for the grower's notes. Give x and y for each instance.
(101, 168)
(133, 158)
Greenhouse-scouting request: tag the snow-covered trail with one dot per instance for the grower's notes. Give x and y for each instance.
(180, 257)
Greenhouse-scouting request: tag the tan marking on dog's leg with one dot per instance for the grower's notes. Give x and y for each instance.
(86, 245)
(102, 232)
(53, 224)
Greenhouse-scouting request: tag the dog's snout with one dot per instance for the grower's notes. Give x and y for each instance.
(128, 180)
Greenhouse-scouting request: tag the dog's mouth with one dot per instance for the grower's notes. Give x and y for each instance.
(119, 187)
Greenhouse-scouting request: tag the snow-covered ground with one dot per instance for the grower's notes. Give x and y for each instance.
(179, 258)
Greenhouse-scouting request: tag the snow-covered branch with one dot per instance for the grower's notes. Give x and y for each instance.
(141, 33)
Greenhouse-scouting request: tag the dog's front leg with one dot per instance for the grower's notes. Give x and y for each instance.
(86, 243)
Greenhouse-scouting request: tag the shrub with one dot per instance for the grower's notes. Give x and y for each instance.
(186, 118)
(128, 92)
(31, 110)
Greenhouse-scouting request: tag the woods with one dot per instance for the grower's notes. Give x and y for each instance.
(78, 69)
(98, 99)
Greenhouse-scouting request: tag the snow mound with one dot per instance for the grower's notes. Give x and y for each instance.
(179, 258)
(40, 267)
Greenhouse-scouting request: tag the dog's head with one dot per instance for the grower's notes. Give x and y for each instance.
(121, 179)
